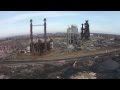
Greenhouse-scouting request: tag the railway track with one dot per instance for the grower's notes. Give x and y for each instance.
(110, 54)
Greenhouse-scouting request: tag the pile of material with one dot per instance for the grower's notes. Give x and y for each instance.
(84, 75)
(107, 65)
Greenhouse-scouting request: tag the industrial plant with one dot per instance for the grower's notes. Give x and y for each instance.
(76, 54)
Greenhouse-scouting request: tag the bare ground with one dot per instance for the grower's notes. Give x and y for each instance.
(85, 69)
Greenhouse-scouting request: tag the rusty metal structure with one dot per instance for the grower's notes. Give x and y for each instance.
(39, 47)
(85, 31)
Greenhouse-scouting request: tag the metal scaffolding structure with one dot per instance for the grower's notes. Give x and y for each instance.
(31, 35)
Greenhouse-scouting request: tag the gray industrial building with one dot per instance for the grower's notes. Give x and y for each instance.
(72, 34)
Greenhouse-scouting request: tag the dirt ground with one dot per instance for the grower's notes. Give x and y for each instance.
(58, 54)
(85, 69)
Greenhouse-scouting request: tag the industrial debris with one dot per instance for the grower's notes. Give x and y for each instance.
(78, 55)
(40, 47)
(73, 37)
(107, 65)
(84, 75)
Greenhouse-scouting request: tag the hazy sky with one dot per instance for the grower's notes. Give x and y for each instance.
(18, 22)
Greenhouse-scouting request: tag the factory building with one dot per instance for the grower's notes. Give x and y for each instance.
(72, 34)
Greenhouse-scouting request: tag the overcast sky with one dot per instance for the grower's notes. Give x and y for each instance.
(18, 22)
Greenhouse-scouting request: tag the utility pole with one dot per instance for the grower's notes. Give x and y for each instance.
(45, 34)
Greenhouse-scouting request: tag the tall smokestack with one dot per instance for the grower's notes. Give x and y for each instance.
(31, 37)
(82, 33)
(31, 32)
(45, 34)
